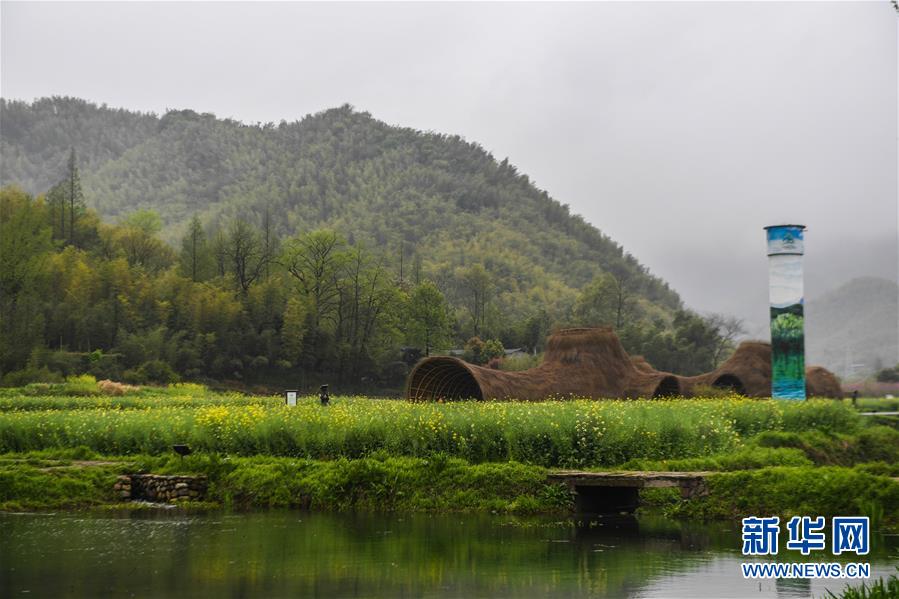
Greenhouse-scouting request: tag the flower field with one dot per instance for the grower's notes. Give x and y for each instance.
(576, 433)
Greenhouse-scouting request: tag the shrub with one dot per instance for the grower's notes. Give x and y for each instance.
(82, 384)
(65, 362)
(520, 362)
(135, 376)
(157, 371)
(477, 351)
(31, 374)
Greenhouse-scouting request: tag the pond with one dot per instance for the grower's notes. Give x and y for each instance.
(153, 553)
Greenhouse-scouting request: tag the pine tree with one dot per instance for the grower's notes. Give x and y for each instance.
(428, 317)
(195, 256)
(74, 195)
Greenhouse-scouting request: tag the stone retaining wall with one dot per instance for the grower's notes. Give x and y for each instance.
(155, 487)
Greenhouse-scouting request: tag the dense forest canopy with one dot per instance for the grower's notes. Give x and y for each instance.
(323, 245)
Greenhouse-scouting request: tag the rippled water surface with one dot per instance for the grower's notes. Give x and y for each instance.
(298, 554)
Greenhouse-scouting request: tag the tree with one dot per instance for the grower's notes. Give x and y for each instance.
(25, 247)
(74, 194)
(368, 301)
(472, 350)
(245, 254)
(728, 328)
(536, 328)
(428, 317)
(294, 329)
(147, 221)
(888, 375)
(477, 290)
(597, 303)
(269, 240)
(195, 254)
(623, 303)
(607, 300)
(477, 351)
(315, 261)
(137, 239)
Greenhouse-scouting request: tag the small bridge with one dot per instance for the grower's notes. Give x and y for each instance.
(619, 491)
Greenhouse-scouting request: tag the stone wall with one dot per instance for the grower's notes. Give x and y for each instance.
(155, 487)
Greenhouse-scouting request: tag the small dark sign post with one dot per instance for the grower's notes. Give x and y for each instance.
(323, 395)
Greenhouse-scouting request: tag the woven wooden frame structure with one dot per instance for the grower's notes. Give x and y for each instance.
(592, 363)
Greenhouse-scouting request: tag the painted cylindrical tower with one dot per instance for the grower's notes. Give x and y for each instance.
(785, 249)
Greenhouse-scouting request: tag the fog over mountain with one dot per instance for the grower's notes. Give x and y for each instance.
(852, 330)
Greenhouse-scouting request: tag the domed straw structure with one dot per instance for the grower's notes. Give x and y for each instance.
(748, 372)
(820, 382)
(577, 363)
(591, 363)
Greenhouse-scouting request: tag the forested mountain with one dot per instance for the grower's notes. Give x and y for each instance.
(854, 329)
(336, 246)
(35, 138)
(447, 201)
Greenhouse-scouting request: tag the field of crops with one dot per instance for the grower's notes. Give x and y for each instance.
(576, 433)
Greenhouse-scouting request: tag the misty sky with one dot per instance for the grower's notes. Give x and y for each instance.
(679, 129)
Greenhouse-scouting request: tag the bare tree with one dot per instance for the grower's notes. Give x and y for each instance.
(316, 261)
(246, 252)
(729, 329)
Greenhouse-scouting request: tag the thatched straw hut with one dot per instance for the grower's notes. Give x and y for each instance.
(577, 362)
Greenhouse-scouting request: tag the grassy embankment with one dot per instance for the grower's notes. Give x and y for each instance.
(774, 457)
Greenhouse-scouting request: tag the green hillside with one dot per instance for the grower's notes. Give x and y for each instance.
(447, 199)
(323, 245)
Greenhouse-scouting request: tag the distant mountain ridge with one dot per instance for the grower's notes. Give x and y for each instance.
(444, 200)
(854, 329)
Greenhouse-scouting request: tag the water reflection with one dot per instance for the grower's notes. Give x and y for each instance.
(297, 554)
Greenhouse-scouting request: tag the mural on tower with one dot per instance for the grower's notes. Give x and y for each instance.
(785, 249)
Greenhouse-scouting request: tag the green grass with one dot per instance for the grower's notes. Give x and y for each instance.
(578, 433)
(29, 485)
(44, 480)
(790, 491)
(876, 404)
(745, 458)
(359, 453)
(874, 449)
(144, 400)
(381, 483)
(879, 589)
(870, 444)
